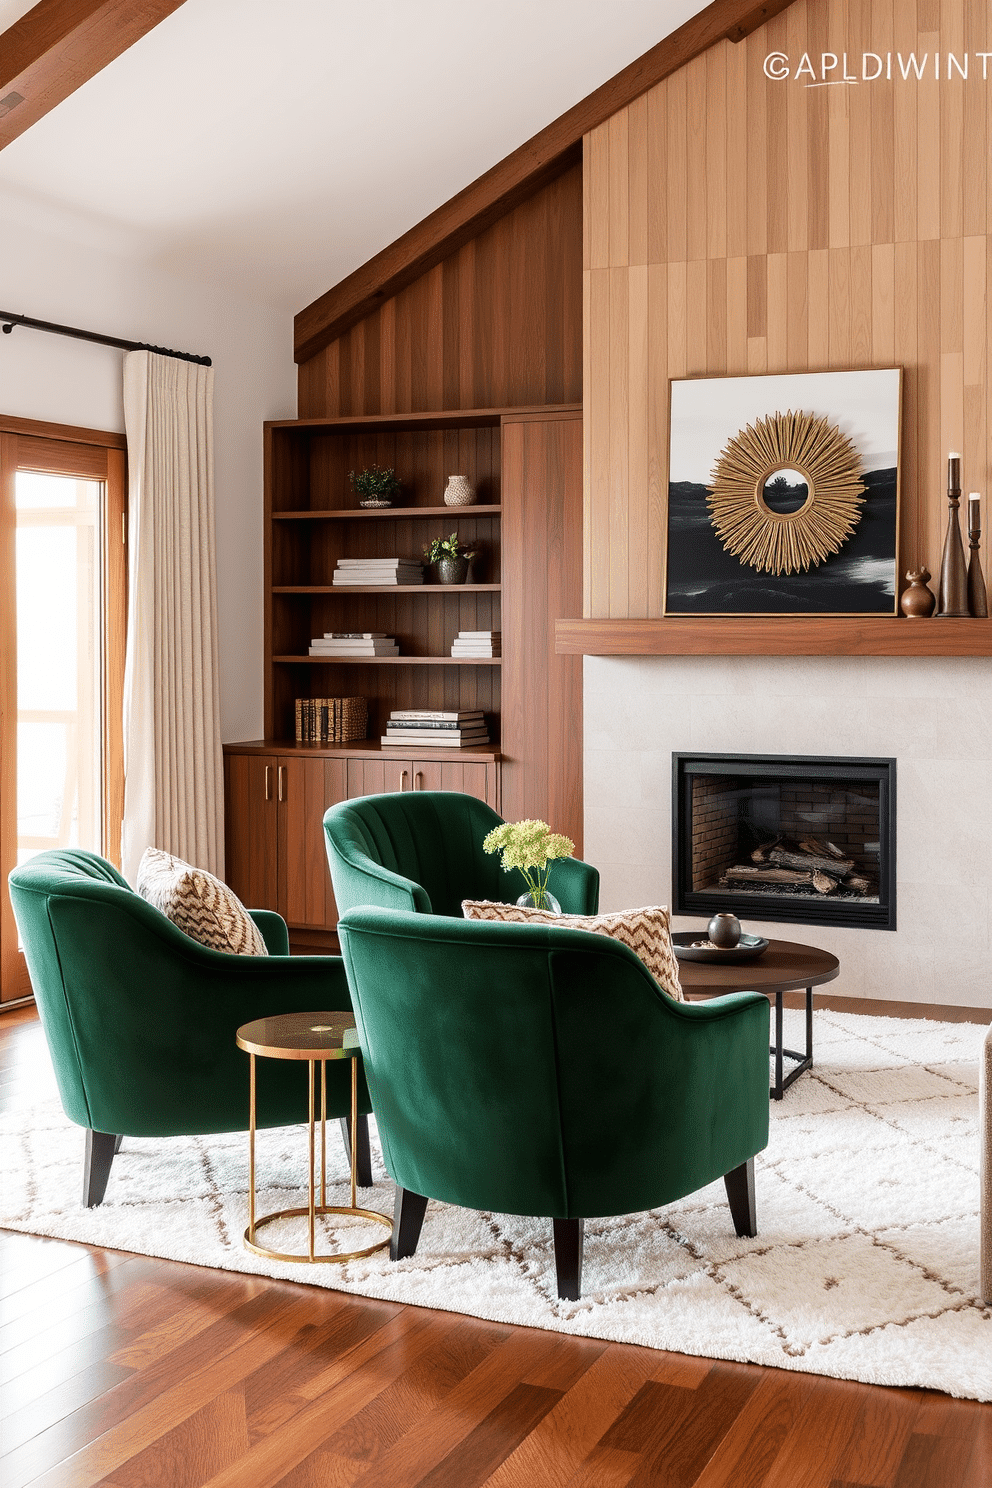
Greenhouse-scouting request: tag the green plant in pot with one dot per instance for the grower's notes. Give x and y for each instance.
(450, 558)
(375, 486)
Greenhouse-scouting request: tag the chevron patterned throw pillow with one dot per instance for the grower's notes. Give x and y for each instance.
(199, 904)
(646, 931)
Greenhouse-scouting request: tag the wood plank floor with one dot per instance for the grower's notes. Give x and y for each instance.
(120, 1370)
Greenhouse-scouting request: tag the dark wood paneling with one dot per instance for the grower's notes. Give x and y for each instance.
(542, 712)
(499, 322)
(517, 177)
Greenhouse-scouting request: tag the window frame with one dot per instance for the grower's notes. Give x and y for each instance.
(94, 454)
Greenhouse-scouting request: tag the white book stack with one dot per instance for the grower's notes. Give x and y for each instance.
(463, 729)
(378, 572)
(338, 644)
(477, 643)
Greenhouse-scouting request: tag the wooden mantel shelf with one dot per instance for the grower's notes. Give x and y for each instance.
(775, 635)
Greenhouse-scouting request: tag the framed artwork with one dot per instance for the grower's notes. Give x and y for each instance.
(783, 494)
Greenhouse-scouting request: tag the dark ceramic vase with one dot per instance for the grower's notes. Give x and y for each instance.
(452, 570)
(725, 931)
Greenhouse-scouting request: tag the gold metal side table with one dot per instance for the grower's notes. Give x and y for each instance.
(315, 1037)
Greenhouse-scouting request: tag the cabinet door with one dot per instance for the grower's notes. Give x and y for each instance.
(456, 775)
(373, 777)
(251, 829)
(305, 788)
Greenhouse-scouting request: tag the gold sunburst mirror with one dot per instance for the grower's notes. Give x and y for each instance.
(786, 492)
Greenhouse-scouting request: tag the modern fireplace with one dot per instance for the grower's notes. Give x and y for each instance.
(804, 839)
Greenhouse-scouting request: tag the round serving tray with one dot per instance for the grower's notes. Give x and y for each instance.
(749, 948)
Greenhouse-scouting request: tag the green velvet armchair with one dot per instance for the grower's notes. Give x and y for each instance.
(141, 1021)
(530, 1069)
(422, 851)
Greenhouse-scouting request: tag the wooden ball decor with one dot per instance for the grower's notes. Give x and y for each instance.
(786, 492)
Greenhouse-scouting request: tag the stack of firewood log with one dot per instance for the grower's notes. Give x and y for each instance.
(796, 862)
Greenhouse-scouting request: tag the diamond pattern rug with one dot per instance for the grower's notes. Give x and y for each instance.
(865, 1266)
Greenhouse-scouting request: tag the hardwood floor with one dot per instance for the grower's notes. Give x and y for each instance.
(120, 1370)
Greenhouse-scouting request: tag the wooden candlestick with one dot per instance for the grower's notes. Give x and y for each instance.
(978, 598)
(952, 589)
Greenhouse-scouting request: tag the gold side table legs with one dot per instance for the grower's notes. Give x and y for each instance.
(313, 1209)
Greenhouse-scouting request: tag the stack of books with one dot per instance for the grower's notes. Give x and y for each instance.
(331, 720)
(459, 730)
(338, 643)
(477, 643)
(378, 571)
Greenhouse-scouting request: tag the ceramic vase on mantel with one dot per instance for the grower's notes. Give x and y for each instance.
(917, 601)
(459, 491)
(952, 590)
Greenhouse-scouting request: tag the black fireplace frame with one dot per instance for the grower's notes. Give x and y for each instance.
(771, 907)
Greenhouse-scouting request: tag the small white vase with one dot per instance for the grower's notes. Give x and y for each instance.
(459, 491)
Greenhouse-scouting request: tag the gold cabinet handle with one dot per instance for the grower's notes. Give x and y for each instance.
(404, 775)
(418, 780)
(268, 782)
(281, 782)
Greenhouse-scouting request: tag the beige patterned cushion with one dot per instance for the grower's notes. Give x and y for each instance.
(645, 931)
(202, 906)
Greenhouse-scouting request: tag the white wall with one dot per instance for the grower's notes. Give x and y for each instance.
(60, 267)
(933, 716)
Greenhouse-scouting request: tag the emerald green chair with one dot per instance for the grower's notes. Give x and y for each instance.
(141, 1021)
(529, 1069)
(422, 851)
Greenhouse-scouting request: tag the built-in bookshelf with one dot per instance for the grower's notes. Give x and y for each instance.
(314, 519)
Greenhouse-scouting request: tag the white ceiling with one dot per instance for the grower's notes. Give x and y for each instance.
(275, 145)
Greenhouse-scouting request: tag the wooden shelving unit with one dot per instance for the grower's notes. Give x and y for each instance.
(277, 790)
(313, 520)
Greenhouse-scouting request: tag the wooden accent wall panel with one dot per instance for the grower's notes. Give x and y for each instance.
(497, 323)
(735, 224)
(542, 695)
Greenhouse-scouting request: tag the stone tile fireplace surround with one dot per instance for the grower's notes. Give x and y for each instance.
(934, 715)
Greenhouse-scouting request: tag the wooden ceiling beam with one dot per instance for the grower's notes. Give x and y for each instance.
(543, 157)
(59, 45)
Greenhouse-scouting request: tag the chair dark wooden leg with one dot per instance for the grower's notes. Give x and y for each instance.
(408, 1217)
(364, 1167)
(569, 1235)
(100, 1149)
(740, 1195)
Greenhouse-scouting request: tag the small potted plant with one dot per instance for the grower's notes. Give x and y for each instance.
(449, 558)
(530, 846)
(374, 487)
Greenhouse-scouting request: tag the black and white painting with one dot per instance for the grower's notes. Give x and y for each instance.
(702, 577)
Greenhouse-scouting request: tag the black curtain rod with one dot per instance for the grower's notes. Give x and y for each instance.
(9, 321)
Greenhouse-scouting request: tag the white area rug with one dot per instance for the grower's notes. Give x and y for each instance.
(865, 1266)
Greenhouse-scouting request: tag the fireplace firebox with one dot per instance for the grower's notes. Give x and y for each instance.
(804, 839)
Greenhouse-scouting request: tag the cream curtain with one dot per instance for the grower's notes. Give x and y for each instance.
(173, 763)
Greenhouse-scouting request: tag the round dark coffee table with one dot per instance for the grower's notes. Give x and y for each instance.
(784, 967)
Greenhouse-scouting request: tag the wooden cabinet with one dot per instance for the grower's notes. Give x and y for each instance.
(275, 804)
(526, 465)
(274, 842)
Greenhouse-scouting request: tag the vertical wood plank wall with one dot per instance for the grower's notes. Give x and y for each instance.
(734, 224)
(499, 323)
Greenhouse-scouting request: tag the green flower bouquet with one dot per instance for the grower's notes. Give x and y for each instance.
(530, 847)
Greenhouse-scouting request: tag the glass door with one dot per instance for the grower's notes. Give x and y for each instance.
(59, 652)
(62, 595)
